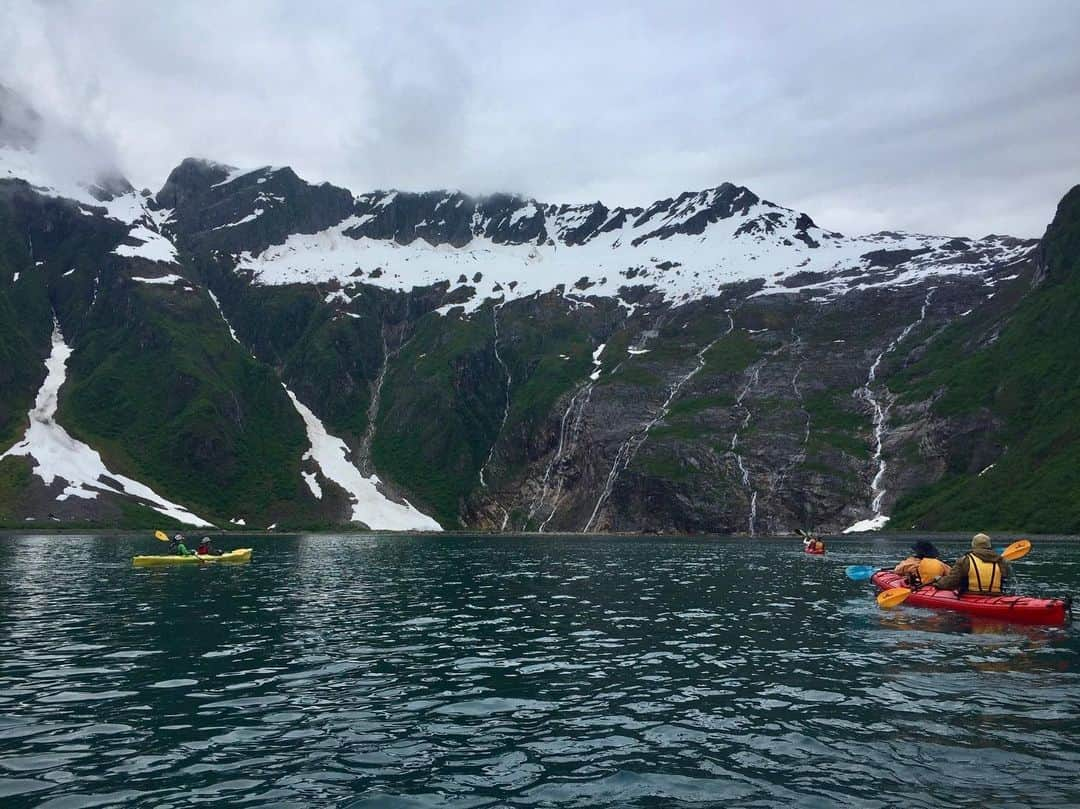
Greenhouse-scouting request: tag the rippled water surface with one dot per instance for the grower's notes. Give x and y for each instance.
(397, 671)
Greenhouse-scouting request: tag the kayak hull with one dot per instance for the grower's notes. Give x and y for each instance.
(238, 555)
(813, 553)
(1014, 609)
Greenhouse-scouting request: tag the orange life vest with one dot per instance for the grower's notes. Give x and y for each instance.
(930, 569)
(983, 577)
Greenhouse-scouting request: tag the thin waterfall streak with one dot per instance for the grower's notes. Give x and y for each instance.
(509, 380)
(800, 456)
(629, 448)
(545, 484)
(363, 453)
(574, 433)
(755, 374)
(881, 411)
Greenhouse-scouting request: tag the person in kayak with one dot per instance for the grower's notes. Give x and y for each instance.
(813, 544)
(177, 546)
(923, 565)
(980, 570)
(204, 548)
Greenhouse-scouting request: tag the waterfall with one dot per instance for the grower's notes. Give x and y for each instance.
(509, 379)
(755, 373)
(631, 445)
(506, 406)
(881, 414)
(569, 428)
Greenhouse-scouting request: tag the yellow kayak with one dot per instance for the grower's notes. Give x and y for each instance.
(239, 555)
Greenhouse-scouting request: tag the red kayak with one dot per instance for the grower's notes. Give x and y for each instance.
(1016, 609)
(813, 552)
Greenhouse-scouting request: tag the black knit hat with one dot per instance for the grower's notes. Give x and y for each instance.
(924, 550)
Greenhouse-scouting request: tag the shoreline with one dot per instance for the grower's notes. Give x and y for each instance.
(477, 534)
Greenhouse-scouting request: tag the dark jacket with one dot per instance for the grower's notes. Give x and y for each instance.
(957, 578)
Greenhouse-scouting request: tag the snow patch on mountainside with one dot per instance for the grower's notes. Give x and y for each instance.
(145, 227)
(166, 280)
(58, 455)
(228, 325)
(153, 247)
(129, 208)
(234, 173)
(763, 242)
(869, 524)
(370, 506)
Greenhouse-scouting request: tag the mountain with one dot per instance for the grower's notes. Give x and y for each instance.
(246, 348)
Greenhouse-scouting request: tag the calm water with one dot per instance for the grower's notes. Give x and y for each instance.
(395, 671)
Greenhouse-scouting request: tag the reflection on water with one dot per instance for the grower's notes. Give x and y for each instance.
(397, 671)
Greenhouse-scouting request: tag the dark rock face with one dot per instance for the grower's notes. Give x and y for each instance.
(213, 208)
(707, 207)
(1060, 246)
(453, 218)
(591, 218)
(891, 258)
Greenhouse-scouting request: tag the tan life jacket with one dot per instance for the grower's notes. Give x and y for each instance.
(983, 577)
(930, 569)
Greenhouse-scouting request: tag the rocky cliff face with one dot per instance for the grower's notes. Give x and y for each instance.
(262, 351)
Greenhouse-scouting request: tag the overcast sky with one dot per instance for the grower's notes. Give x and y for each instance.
(941, 117)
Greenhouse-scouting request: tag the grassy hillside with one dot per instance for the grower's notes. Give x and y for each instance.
(157, 384)
(40, 239)
(1020, 373)
(442, 404)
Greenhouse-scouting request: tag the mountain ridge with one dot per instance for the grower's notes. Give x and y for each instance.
(269, 352)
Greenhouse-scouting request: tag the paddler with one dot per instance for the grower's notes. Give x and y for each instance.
(177, 546)
(980, 570)
(204, 548)
(923, 565)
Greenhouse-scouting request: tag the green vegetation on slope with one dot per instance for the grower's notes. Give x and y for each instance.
(329, 360)
(1022, 374)
(39, 238)
(159, 387)
(441, 408)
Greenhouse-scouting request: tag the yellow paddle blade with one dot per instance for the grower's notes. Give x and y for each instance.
(161, 535)
(1017, 550)
(887, 599)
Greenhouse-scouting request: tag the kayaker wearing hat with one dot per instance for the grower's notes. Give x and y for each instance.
(980, 570)
(204, 548)
(177, 546)
(923, 566)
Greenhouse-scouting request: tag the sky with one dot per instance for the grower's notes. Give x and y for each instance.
(949, 117)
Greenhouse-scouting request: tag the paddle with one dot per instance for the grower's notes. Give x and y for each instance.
(887, 599)
(859, 572)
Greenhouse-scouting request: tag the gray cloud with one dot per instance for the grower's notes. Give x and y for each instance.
(960, 117)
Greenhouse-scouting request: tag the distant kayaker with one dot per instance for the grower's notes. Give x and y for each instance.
(177, 546)
(923, 565)
(813, 544)
(204, 548)
(980, 570)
